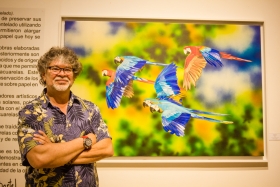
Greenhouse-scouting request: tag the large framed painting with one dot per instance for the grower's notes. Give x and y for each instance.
(170, 88)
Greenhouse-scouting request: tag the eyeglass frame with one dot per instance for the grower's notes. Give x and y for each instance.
(61, 69)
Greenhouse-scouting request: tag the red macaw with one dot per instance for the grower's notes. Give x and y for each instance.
(198, 57)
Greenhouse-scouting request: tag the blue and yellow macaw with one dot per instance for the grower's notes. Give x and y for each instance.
(120, 82)
(168, 102)
(128, 63)
(116, 89)
(198, 57)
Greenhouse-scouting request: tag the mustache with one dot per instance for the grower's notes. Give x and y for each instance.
(61, 78)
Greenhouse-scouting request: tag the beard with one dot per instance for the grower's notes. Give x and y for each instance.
(62, 87)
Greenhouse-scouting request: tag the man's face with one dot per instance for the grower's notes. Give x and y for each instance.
(57, 78)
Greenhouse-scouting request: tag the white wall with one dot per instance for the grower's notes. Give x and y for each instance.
(227, 10)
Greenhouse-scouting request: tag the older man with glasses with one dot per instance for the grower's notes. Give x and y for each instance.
(60, 135)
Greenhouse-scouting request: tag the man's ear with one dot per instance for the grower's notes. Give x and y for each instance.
(44, 77)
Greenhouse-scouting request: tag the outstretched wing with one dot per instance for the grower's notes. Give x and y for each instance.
(122, 85)
(174, 121)
(197, 59)
(128, 68)
(212, 56)
(193, 67)
(128, 92)
(114, 93)
(166, 83)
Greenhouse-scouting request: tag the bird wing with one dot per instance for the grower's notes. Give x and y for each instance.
(114, 93)
(122, 84)
(212, 56)
(128, 68)
(128, 92)
(174, 121)
(193, 67)
(166, 83)
(195, 63)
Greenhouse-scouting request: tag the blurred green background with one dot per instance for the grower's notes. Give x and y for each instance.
(234, 89)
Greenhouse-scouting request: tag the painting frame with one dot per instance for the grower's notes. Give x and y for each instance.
(186, 161)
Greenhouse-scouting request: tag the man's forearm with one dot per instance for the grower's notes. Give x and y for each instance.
(98, 151)
(52, 155)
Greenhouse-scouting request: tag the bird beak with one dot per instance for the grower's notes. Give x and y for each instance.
(187, 50)
(145, 104)
(118, 60)
(104, 73)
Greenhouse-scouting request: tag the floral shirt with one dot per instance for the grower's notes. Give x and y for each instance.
(82, 117)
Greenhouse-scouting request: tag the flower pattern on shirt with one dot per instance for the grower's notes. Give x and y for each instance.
(82, 117)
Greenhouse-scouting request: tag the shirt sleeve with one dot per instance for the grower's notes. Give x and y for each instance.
(25, 133)
(100, 127)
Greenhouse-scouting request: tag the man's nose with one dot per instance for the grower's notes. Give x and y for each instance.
(61, 72)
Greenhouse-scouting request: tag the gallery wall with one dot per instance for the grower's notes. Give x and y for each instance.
(207, 172)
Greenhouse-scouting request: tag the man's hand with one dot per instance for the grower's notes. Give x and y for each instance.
(42, 138)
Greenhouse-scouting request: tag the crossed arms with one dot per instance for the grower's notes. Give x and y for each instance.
(51, 155)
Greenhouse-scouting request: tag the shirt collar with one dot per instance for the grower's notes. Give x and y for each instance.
(46, 101)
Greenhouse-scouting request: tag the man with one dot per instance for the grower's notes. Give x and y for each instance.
(60, 135)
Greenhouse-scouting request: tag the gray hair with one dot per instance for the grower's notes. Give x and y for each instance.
(67, 55)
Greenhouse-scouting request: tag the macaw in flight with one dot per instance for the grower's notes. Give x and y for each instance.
(198, 57)
(128, 62)
(120, 82)
(168, 102)
(115, 89)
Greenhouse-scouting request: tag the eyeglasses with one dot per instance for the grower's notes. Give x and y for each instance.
(57, 70)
